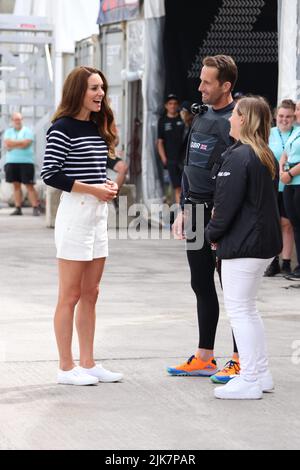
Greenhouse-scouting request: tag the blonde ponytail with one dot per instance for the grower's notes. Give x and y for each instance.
(256, 129)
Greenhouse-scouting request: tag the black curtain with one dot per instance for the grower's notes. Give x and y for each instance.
(246, 30)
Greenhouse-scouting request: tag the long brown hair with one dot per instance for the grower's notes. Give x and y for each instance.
(74, 90)
(256, 129)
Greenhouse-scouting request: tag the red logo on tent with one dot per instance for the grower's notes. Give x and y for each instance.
(110, 5)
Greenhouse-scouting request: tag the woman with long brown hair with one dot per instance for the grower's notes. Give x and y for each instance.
(245, 230)
(78, 144)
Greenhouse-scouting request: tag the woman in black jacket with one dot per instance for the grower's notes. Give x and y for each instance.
(245, 230)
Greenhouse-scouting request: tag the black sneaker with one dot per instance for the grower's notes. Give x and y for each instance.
(17, 211)
(286, 269)
(273, 268)
(295, 276)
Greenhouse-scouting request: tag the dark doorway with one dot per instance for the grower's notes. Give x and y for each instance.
(247, 31)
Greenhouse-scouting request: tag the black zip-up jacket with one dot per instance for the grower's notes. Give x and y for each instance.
(246, 221)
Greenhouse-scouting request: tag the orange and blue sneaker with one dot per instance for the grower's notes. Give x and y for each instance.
(231, 370)
(195, 367)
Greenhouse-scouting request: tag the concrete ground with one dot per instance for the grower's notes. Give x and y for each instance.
(146, 321)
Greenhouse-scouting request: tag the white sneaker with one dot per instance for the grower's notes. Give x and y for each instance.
(266, 382)
(103, 375)
(75, 376)
(239, 389)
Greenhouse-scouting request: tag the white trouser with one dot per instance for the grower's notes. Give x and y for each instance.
(241, 280)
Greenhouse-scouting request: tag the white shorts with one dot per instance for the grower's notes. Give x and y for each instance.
(81, 228)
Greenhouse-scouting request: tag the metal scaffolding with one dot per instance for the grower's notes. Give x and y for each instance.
(26, 74)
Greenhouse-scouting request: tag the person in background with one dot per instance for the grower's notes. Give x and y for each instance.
(245, 230)
(169, 144)
(238, 95)
(187, 117)
(118, 165)
(290, 176)
(19, 163)
(297, 114)
(285, 119)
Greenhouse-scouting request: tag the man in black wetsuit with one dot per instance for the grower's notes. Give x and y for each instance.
(209, 138)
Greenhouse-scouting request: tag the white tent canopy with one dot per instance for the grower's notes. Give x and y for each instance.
(73, 20)
(154, 9)
(288, 25)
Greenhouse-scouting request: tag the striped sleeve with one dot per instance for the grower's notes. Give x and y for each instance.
(57, 150)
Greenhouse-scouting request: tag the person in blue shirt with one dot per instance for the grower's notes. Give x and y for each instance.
(297, 114)
(290, 176)
(19, 163)
(285, 126)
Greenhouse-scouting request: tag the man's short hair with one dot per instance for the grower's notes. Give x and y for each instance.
(227, 69)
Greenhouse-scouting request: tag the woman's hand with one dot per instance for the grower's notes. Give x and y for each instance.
(282, 163)
(105, 192)
(112, 185)
(285, 177)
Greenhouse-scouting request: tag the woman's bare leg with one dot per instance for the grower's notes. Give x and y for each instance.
(70, 278)
(86, 311)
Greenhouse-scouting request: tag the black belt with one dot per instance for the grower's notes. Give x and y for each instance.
(193, 198)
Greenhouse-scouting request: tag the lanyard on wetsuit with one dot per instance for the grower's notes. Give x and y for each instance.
(281, 137)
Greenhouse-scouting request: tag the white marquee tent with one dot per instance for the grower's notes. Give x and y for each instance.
(72, 20)
(76, 19)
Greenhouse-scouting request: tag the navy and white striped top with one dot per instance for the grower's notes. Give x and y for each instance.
(75, 151)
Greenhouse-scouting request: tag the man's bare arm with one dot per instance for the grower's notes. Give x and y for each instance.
(17, 144)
